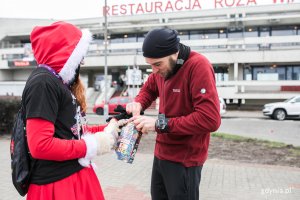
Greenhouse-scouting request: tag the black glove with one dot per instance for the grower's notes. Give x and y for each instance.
(123, 114)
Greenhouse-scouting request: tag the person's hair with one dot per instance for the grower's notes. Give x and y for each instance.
(79, 92)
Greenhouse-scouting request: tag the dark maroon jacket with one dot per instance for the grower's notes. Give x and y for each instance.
(190, 100)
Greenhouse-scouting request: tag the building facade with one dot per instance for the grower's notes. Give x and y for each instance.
(254, 45)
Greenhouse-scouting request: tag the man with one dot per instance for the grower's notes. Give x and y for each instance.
(188, 111)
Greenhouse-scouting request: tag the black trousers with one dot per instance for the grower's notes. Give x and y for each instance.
(173, 181)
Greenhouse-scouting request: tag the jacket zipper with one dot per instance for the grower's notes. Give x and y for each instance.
(164, 100)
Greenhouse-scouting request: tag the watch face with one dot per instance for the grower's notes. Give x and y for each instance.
(161, 122)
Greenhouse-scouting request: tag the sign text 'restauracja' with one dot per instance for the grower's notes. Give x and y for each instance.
(137, 7)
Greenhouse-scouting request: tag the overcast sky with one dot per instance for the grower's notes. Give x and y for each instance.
(47, 9)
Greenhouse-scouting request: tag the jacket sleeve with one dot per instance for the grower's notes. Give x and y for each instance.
(148, 93)
(206, 106)
(96, 128)
(43, 145)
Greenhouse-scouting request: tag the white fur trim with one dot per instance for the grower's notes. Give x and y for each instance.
(84, 162)
(105, 142)
(68, 71)
(91, 150)
(112, 128)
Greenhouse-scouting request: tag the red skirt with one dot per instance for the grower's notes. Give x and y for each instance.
(83, 185)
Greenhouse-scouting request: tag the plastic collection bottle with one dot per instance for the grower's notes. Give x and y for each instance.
(128, 143)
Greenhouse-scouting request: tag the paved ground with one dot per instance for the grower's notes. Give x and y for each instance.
(224, 180)
(287, 131)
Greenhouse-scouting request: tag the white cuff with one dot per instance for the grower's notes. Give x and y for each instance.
(91, 150)
(112, 128)
(84, 162)
(105, 142)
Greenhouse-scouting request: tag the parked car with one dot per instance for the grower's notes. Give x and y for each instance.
(282, 110)
(112, 104)
(222, 106)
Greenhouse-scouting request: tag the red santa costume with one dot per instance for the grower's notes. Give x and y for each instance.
(58, 138)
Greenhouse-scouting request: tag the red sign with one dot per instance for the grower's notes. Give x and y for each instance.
(22, 63)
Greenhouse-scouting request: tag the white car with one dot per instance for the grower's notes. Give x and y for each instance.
(282, 110)
(222, 106)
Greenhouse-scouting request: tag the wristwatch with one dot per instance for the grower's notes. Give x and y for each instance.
(161, 123)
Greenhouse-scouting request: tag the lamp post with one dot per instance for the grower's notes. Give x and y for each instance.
(105, 108)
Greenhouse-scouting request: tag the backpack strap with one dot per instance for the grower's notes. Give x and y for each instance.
(33, 161)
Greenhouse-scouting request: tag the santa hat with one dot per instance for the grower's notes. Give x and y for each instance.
(62, 46)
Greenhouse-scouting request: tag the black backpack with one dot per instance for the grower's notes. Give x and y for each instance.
(21, 161)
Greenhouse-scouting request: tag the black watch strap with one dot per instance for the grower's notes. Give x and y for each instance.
(161, 124)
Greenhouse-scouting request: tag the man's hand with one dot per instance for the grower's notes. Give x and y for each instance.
(144, 124)
(134, 107)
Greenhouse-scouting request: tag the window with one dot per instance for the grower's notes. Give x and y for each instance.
(221, 73)
(183, 35)
(196, 35)
(289, 73)
(130, 38)
(113, 101)
(141, 37)
(125, 100)
(116, 39)
(211, 34)
(251, 32)
(235, 33)
(283, 30)
(274, 72)
(264, 31)
(296, 73)
(247, 72)
(223, 33)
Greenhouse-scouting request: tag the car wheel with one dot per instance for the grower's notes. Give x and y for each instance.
(280, 114)
(99, 111)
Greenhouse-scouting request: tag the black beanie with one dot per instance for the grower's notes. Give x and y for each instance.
(160, 43)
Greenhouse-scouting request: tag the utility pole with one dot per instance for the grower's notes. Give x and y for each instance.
(105, 110)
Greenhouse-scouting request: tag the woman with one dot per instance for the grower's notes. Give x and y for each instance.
(58, 137)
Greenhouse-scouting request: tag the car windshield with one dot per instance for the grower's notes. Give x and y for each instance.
(288, 99)
(113, 101)
(124, 100)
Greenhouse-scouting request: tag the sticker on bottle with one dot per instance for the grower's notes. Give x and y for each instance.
(128, 143)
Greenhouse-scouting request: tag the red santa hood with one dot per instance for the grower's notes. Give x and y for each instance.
(61, 46)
